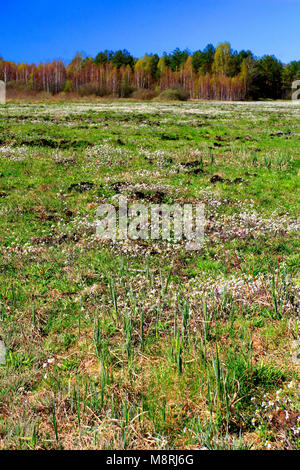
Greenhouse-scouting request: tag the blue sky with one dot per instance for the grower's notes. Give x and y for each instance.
(42, 30)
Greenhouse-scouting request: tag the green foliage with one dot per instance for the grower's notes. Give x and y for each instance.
(202, 60)
(67, 86)
(176, 59)
(267, 78)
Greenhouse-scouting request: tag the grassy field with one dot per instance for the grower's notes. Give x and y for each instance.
(143, 344)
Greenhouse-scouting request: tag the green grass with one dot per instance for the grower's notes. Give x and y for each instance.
(144, 345)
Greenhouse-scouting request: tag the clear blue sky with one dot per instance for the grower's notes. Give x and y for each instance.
(42, 30)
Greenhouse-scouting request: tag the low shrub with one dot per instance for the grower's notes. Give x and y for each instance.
(173, 94)
(142, 94)
(88, 89)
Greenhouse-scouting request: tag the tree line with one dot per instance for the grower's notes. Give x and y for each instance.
(212, 73)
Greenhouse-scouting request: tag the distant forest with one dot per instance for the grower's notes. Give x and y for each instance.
(212, 73)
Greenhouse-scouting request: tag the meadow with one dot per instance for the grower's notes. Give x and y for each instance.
(143, 344)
